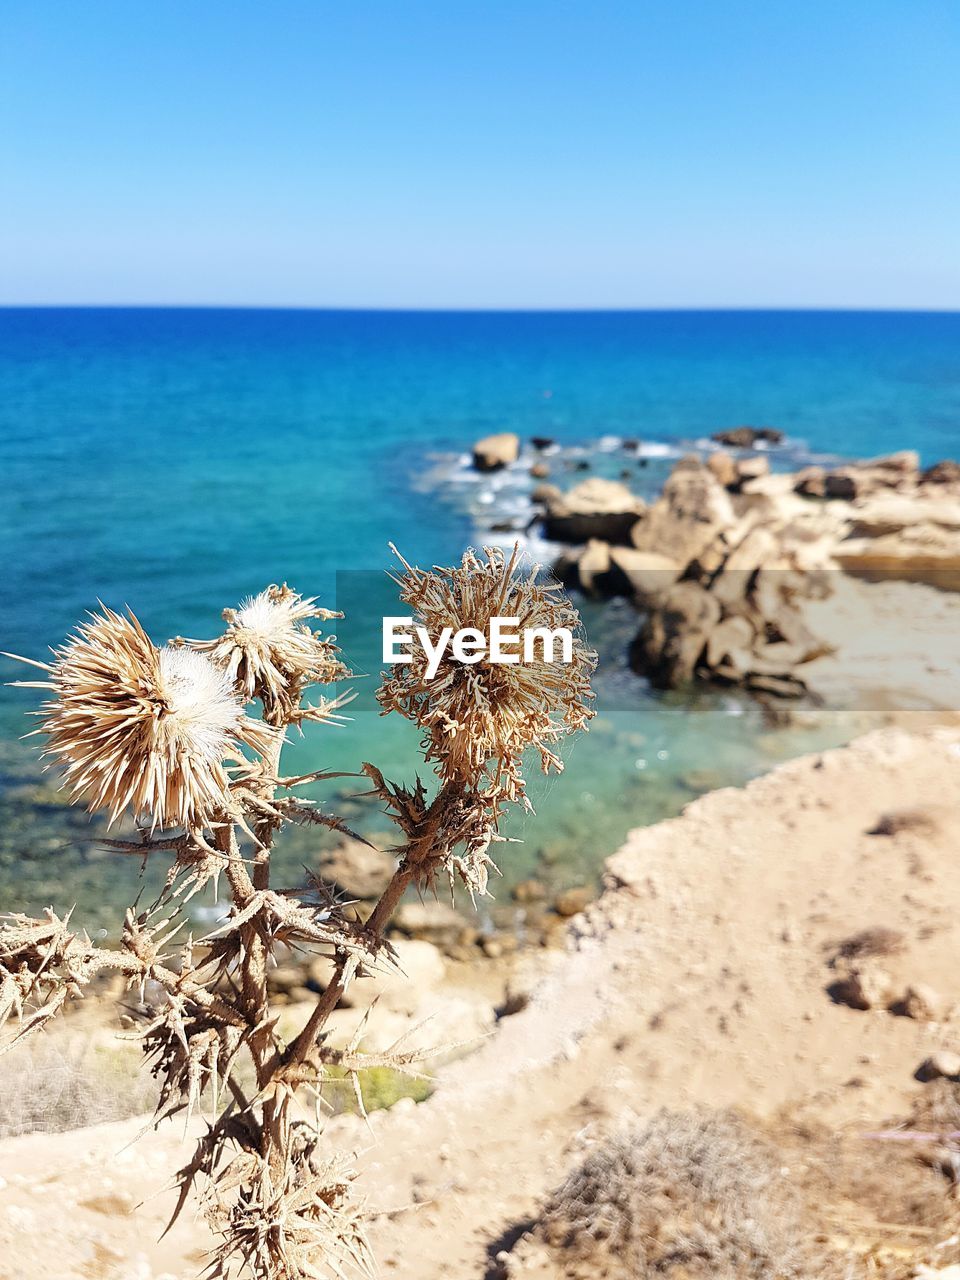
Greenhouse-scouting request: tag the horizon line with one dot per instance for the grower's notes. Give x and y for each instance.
(779, 309)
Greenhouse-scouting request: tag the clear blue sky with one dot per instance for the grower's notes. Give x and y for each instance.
(484, 153)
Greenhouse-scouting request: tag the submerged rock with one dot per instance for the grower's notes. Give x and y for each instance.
(570, 902)
(747, 437)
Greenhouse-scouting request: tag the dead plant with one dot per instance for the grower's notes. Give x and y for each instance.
(166, 735)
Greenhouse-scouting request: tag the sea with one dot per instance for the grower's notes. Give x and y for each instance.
(175, 461)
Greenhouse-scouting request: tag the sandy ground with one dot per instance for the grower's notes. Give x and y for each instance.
(701, 975)
(897, 647)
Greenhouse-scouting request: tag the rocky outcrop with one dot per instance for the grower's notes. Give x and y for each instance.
(945, 472)
(903, 525)
(595, 508)
(687, 517)
(895, 471)
(497, 451)
(746, 561)
(734, 473)
(671, 642)
(605, 571)
(724, 559)
(927, 552)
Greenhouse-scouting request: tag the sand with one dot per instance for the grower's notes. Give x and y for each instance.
(701, 975)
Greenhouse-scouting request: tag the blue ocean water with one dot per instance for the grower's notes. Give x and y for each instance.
(177, 460)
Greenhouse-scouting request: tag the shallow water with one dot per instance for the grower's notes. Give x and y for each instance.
(178, 460)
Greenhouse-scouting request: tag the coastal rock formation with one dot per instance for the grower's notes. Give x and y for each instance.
(895, 471)
(945, 472)
(496, 451)
(723, 561)
(672, 640)
(690, 513)
(605, 571)
(594, 508)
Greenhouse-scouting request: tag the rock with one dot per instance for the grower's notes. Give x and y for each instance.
(540, 470)
(644, 575)
(905, 464)
(944, 1064)
(747, 437)
(544, 494)
(595, 508)
(760, 547)
(731, 641)
(810, 482)
(436, 921)
(285, 978)
(593, 567)
(566, 567)
(894, 512)
(924, 822)
(945, 472)
(723, 468)
(530, 890)
(671, 641)
(859, 479)
(496, 451)
(542, 442)
(843, 484)
(780, 686)
(356, 869)
(922, 1003)
(777, 658)
(690, 513)
(925, 553)
(570, 902)
(733, 473)
(749, 469)
(495, 945)
(420, 968)
(864, 986)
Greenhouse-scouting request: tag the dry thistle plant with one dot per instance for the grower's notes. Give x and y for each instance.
(167, 735)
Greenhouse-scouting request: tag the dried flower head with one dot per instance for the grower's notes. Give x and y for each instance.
(479, 718)
(270, 652)
(145, 729)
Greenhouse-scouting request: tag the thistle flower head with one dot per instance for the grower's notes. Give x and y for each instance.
(478, 719)
(142, 728)
(270, 653)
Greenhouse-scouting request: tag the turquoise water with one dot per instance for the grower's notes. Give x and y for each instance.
(178, 460)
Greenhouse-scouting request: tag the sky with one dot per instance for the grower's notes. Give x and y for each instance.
(504, 153)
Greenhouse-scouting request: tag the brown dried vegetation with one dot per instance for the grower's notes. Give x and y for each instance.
(157, 733)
